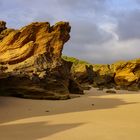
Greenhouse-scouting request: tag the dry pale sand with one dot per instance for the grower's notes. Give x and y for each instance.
(94, 116)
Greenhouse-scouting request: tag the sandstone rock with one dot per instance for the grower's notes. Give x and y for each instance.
(5, 32)
(31, 64)
(75, 87)
(98, 75)
(104, 76)
(119, 75)
(83, 73)
(81, 70)
(2, 25)
(127, 73)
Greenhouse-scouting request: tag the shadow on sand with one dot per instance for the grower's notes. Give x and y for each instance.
(32, 131)
(25, 108)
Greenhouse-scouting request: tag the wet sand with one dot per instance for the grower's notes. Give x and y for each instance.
(96, 115)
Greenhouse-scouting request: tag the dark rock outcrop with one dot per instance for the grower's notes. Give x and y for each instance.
(31, 64)
(104, 76)
(111, 91)
(82, 71)
(2, 25)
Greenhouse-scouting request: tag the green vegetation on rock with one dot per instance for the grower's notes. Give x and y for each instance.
(82, 71)
(120, 75)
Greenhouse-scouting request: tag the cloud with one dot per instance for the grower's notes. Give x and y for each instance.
(129, 25)
(88, 33)
(90, 4)
(103, 31)
(138, 1)
(108, 52)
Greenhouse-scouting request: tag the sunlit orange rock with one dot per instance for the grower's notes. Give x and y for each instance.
(30, 61)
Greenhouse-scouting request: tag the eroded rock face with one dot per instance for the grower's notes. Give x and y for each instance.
(82, 71)
(119, 75)
(104, 76)
(127, 73)
(30, 61)
(2, 25)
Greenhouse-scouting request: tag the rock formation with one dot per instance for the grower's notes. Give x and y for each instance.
(31, 64)
(81, 71)
(127, 74)
(104, 76)
(119, 75)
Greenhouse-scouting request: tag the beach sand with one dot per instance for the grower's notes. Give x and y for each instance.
(93, 116)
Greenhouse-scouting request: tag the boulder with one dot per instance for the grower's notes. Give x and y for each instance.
(111, 91)
(31, 64)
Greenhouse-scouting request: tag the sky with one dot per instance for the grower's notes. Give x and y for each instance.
(103, 31)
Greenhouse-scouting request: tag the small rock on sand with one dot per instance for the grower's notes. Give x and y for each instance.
(111, 91)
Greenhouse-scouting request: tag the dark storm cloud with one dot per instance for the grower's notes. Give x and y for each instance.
(138, 1)
(102, 30)
(129, 25)
(85, 33)
(90, 4)
(86, 42)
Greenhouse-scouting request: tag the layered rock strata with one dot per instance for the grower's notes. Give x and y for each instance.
(31, 64)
